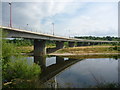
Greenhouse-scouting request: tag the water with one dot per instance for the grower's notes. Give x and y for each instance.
(77, 73)
(89, 72)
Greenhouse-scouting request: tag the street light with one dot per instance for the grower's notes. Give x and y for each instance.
(10, 4)
(53, 28)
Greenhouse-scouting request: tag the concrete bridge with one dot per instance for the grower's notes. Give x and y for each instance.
(40, 40)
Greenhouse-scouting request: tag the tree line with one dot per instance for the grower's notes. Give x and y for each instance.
(109, 38)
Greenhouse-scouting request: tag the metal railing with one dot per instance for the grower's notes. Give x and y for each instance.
(33, 29)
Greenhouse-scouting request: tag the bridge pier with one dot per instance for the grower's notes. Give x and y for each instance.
(40, 60)
(71, 44)
(59, 60)
(39, 47)
(95, 43)
(79, 44)
(59, 45)
(91, 43)
(86, 44)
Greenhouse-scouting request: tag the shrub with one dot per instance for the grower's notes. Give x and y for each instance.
(20, 69)
(8, 50)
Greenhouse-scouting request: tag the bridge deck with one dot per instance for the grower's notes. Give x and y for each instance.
(19, 33)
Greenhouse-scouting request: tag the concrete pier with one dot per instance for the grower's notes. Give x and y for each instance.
(59, 60)
(59, 45)
(79, 44)
(71, 44)
(39, 47)
(86, 44)
(40, 60)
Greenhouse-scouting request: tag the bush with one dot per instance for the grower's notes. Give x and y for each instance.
(8, 50)
(20, 69)
(16, 69)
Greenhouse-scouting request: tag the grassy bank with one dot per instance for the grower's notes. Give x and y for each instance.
(76, 50)
(29, 49)
(88, 51)
(25, 49)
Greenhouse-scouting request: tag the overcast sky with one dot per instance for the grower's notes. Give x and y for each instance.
(70, 18)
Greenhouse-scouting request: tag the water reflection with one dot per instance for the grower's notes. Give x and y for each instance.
(77, 73)
(40, 60)
(53, 69)
(89, 72)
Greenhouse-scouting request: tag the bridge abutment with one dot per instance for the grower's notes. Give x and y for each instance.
(39, 47)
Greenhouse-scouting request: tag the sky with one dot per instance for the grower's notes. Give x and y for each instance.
(70, 18)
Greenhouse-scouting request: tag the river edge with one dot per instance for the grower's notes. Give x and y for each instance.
(71, 54)
(81, 54)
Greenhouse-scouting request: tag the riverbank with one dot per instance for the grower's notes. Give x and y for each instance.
(76, 51)
(87, 51)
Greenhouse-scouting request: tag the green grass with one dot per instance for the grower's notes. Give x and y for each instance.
(25, 49)
(90, 49)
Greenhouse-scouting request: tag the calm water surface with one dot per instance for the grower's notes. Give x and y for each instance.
(65, 72)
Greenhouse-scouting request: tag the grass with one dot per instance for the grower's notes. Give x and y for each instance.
(89, 49)
(29, 49)
(75, 50)
(25, 49)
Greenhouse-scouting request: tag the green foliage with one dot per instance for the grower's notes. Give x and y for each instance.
(109, 38)
(12, 69)
(21, 42)
(8, 50)
(20, 69)
(66, 44)
(116, 48)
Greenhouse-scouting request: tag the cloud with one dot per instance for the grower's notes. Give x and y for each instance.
(83, 18)
(100, 19)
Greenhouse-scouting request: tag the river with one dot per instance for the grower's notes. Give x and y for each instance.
(58, 72)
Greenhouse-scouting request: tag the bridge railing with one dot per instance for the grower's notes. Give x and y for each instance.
(32, 29)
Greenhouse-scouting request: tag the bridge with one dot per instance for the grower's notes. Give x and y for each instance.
(40, 40)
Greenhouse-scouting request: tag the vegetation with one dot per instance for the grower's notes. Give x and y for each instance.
(109, 38)
(15, 69)
(21, 42)
(90, 49)
(25, 49)
(20, 69)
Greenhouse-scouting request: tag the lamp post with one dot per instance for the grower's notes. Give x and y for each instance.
(53, 28)
(10, 14)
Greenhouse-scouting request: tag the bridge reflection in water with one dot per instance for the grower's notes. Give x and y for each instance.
(50, 71)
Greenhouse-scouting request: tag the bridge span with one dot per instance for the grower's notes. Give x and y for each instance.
(40, 40)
